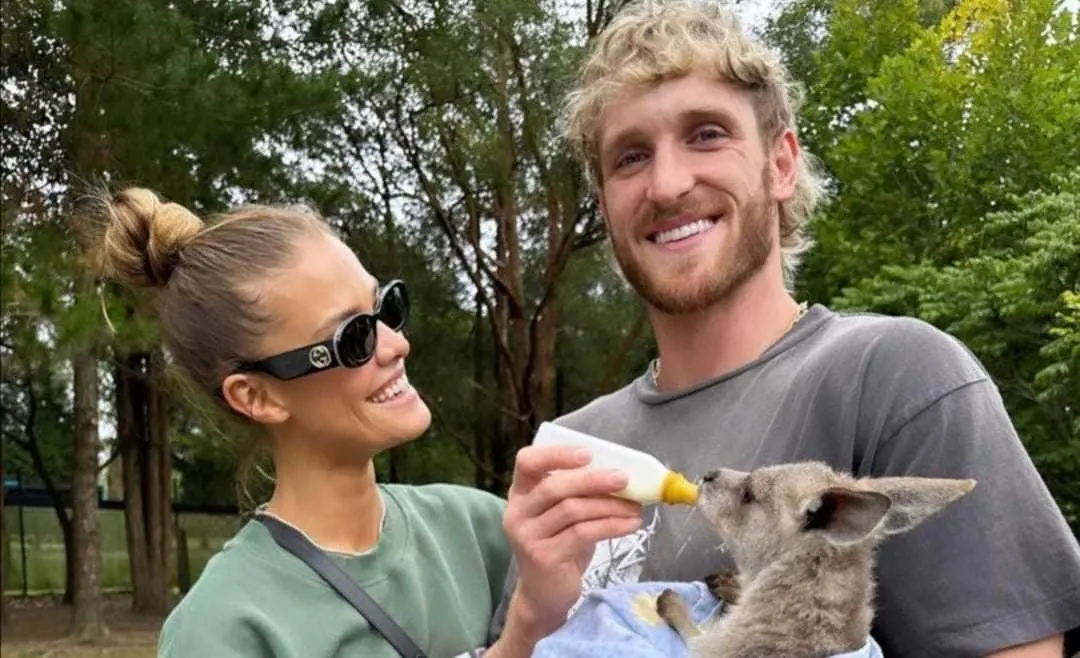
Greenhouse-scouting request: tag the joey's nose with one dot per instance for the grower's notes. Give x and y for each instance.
(711, 476)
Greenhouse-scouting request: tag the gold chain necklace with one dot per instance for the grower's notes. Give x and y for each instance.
(799, 314)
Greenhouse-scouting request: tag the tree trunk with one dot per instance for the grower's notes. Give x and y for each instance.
(142, 427)
(88, 622)
(158, 490)
(5, 545)
(545, 329)
(481, 439)
(62, 518)
(129, 427)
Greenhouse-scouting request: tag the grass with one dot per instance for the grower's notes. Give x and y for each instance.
(45, 560)
(38, 623)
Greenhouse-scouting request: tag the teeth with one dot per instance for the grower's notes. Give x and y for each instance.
(684, 231)
(391, 391)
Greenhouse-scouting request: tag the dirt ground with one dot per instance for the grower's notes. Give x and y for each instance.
(36, 627)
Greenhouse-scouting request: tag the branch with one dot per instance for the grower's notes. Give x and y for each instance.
(555, 270)
(113, 454)
(446, 141)
(411, 153)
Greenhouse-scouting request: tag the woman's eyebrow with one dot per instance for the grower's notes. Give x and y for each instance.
(333, 322)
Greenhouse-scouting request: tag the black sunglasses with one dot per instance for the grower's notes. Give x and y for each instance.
(352, 345)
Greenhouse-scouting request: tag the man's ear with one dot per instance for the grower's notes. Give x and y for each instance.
(250, 397)
(784, 165)
(602, 207)
(845, 516)
(914, 499)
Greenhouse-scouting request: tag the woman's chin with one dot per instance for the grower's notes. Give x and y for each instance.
(407, 421)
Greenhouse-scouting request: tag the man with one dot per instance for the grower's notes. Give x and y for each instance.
(687, 130)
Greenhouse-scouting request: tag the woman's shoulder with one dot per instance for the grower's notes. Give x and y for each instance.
(453, 504)
(220, 604)
(445, 497)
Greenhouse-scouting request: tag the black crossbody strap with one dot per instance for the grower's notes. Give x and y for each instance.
(296, 543)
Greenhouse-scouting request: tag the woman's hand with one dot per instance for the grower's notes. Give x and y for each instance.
(553, 520)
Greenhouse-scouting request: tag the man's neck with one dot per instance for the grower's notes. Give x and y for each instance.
(336, 505)
(733, 332)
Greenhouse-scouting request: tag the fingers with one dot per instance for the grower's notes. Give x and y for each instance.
(574, 543)
(591, 532)
(572, 512)
(533, 464)
(580, 483)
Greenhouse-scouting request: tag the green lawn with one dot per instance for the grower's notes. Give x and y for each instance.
(45, 548)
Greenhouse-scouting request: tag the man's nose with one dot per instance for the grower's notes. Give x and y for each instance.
(672, 178)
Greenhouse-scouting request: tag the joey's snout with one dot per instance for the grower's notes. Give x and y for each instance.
(722, 478)
(718, 487)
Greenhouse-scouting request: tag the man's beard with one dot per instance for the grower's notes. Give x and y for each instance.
(738, 262)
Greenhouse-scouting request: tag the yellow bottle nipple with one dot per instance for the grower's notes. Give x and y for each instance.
(677, 490)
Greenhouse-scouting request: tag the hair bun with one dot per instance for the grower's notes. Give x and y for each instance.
(144, 237)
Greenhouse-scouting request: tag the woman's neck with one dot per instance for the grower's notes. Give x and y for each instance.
(337, 506)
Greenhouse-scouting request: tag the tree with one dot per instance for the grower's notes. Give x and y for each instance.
(935, 125)
(197, 100)
(460, 122)
(973, 110)
(1015, 304)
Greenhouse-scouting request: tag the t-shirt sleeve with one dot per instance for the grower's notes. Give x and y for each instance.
(998, 568)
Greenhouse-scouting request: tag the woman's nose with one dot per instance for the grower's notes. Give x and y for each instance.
(392, 345)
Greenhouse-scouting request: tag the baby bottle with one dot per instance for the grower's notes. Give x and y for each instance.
(650, 481)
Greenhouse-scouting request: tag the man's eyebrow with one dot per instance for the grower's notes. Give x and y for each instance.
(698, 115)
(692, 116)
(620, 140)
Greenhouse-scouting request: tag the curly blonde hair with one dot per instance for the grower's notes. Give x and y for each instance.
(652, 41)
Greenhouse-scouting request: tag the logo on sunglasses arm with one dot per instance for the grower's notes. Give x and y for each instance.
(319, 356)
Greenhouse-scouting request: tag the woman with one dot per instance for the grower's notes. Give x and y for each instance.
(269, 312)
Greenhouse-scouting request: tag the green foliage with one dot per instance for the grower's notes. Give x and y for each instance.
(949, 132)
(425, 131)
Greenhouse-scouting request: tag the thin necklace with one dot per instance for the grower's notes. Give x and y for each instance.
(800, 312)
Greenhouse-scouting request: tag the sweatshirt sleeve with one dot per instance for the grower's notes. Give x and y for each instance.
(187, 632)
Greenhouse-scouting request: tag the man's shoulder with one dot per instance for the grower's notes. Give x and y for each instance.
(600, 410)
(895, 347)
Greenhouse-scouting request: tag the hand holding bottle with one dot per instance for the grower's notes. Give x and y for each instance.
(557, 512)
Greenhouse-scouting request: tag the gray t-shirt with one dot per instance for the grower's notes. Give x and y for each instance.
(871, 395)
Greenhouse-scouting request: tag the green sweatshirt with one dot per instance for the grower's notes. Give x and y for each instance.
(437, 569)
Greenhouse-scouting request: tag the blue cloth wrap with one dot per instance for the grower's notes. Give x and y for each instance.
(621, 621)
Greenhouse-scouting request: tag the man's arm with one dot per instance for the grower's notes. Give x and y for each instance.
(997, 572)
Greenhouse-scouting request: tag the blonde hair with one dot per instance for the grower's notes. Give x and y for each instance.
(206, 273)
(651, 41)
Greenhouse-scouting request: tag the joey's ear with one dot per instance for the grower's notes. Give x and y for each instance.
(914, 499)
(844, 516)
(251, 397)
